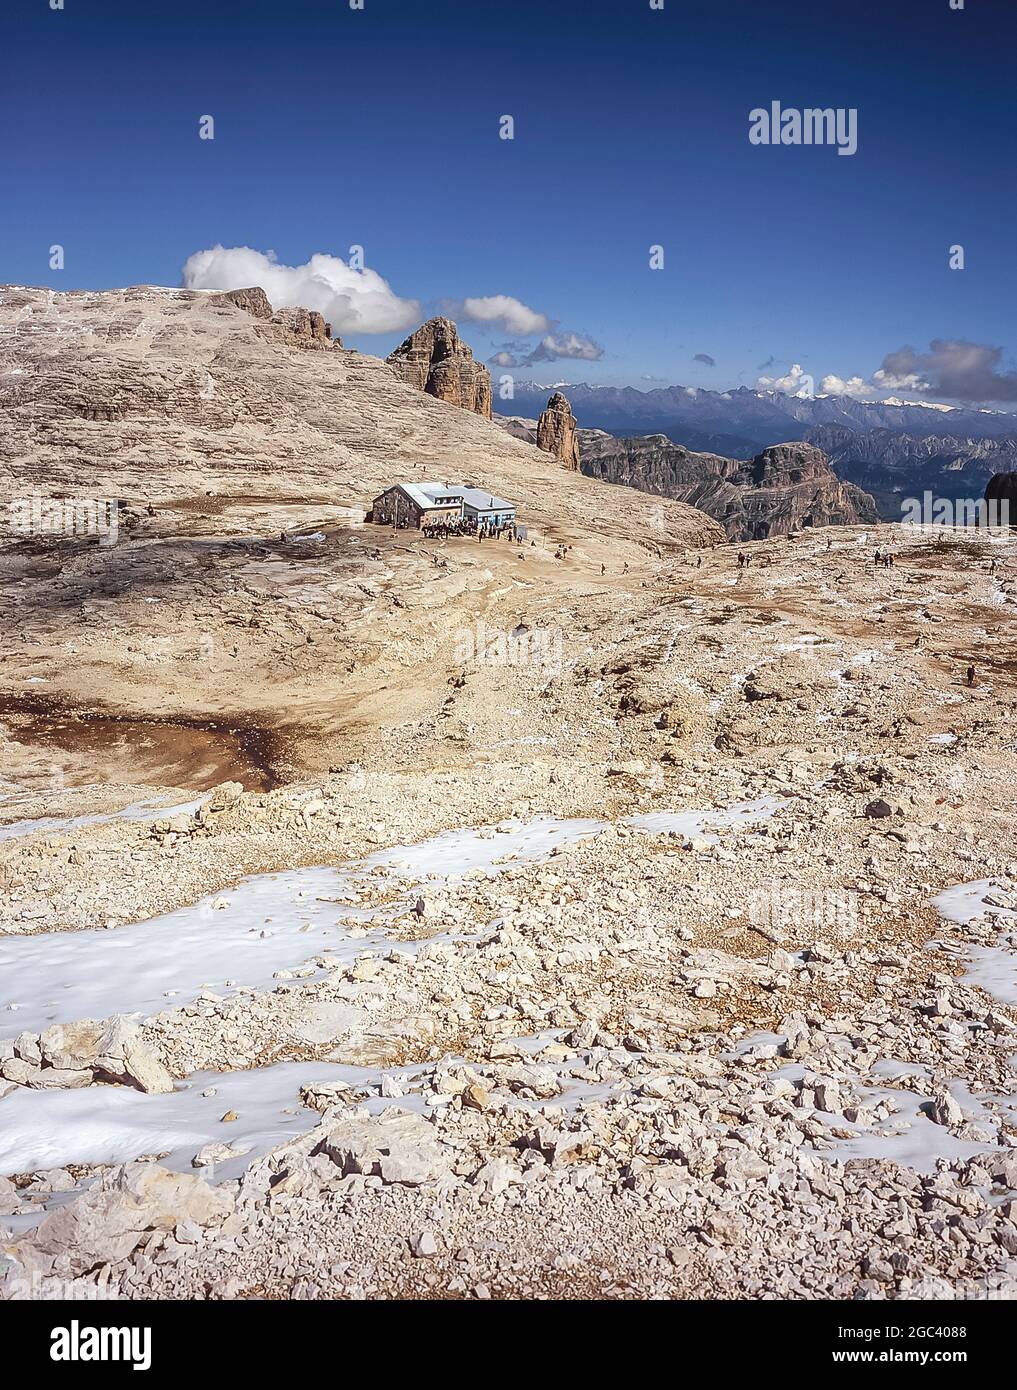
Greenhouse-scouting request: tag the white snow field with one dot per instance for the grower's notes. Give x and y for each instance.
(269, 922)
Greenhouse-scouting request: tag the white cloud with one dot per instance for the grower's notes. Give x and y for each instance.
(900, 381)
(353, 301)
(952, 367)
(504, 312)
(553, 347)
(795, 383)
(854, 386)
(561, 345)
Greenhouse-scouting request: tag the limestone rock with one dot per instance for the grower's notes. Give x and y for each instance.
(556, 432)
(108, 1221)
(253, 301)
(398, 1149)
(436, 360)
(72, 1046)
(297, 327)
(123, 1056)
(944, 1109)
(423, 1245)
(784, 488)
(305, 328)
(10, 1201)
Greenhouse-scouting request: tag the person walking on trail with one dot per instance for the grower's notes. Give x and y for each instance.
(603, 569)
(971, 676)
(741, 560)
(878, 558)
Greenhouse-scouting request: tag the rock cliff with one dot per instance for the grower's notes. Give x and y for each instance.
(892, 465)
(784, 488)
(436, 360)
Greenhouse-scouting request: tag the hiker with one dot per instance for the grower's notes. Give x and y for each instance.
(878, 559)
(971, 676)
(741, 559)
(603, 569)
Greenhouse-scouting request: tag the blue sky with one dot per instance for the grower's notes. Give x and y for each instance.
(338, 127)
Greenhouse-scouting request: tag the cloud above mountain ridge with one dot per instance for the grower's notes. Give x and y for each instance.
(353, 301)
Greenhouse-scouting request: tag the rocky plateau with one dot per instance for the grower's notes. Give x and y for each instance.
(385, 916)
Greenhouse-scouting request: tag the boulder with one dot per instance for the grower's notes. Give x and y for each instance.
(111, 1219)
(72, 1046)
(396, 1148)
(123, 1057)
(944, 1109)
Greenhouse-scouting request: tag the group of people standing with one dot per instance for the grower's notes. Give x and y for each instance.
(443, 530)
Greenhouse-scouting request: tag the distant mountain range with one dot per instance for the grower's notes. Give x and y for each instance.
(891, 448)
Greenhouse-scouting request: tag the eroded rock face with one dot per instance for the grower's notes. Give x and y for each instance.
(556, 432)
(253, 301)
(436, 360)
(784, 488)
(298, 327)
(305, 328)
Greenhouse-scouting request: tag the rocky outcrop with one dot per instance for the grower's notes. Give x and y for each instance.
(253, 301)
(305, 328)
(784, 488)
(298, 327)
(556, 432)
(436, 360)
